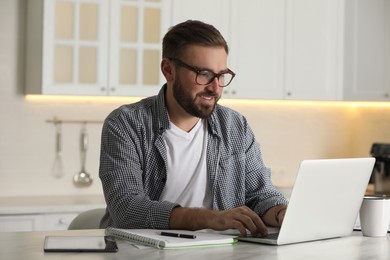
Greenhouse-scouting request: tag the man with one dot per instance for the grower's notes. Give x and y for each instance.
(179, 160)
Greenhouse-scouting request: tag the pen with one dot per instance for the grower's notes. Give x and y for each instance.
(169, 234)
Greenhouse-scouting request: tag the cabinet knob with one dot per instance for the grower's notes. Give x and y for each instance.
(234, 92)
(288, 93)
(386, 95)
(61, 221)
(102, 89)
(112, 89)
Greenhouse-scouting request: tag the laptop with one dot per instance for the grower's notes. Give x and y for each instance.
(324, 202)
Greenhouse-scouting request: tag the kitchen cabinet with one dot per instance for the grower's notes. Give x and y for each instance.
(255, 34)
(215, 12)
(296, 50)
(278, 49)
(313, 44)
(367, 50)
(36, 222)
(219, 13)
(95, 47)
(257, 49)
(44, 212)
(16, 223)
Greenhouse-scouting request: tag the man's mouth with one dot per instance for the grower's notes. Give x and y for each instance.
(206, 97)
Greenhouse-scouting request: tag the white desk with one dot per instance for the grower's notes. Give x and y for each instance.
(29, 245)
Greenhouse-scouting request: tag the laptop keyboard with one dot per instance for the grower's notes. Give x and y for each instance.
(272, 236)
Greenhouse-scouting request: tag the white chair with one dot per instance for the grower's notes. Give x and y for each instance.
(89, 219)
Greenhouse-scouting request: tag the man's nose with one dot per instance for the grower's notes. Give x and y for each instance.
(214, 85)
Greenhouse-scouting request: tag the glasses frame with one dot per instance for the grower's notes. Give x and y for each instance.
(198, 71)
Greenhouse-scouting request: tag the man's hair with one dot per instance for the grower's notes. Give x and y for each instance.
(191, 32)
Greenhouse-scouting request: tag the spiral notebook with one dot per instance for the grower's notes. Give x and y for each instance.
(153, 238)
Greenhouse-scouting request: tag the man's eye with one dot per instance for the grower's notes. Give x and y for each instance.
(205, 73)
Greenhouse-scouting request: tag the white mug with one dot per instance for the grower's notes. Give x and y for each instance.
(375, 216)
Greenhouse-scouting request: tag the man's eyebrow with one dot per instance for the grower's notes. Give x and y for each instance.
(207, 69)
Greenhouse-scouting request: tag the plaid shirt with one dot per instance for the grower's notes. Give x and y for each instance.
(133, 165)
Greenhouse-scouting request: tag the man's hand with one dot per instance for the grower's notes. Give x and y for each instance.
(241, 218)
(275, 215)
(280, 215)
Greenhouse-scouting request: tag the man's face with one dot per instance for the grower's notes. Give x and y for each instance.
(199, 100)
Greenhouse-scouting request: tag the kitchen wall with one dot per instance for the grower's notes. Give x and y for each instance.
(287, 131)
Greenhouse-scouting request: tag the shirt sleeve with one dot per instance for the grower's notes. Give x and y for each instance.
(121, 173)
(261, 194)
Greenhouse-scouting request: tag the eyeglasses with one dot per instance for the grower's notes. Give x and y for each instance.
(205, 77)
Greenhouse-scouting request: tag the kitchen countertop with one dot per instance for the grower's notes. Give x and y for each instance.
(50, 204)
(73, 203)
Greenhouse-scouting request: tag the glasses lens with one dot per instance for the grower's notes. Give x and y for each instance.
(205, 77)
(225, 79)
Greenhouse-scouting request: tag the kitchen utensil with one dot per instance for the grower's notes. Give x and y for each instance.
(83, 178)
(58, 170)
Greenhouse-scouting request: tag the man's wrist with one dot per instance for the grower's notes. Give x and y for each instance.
(189, 218)
(278, 212)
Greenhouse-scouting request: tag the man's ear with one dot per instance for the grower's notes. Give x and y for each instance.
(167, 69)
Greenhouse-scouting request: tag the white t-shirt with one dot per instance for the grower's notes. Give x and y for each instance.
(187, 182)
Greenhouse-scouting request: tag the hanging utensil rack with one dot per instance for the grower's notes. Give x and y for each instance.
(56, 120)
(58, 170)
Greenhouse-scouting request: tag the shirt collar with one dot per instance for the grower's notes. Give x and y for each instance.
(162, 118)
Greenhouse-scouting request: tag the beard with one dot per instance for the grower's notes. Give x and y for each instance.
(188, 103)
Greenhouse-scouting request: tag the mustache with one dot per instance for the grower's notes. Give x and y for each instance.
(208, 93)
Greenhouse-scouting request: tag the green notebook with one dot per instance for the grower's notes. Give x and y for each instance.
(153, 238)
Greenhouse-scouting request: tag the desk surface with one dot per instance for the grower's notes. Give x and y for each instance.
(29, 245)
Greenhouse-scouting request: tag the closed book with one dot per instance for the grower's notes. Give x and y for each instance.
(153, 238)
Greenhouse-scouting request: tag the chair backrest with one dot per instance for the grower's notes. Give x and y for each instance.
(89, 219)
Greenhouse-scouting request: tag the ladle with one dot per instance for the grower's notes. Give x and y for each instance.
(83, 178)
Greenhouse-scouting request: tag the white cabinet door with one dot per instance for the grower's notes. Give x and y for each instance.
(13, 223)
(54, 221)
(36, 222)
(67, 47)
(257, 49)
(215, 12)
(136, 32)
(314, 43)
(367, 64)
